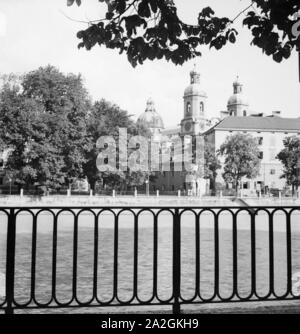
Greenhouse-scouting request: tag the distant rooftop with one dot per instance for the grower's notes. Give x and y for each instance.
(259, 123)
(171, 131)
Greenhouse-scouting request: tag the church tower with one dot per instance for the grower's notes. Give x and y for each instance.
(194, 98)
(237, 104)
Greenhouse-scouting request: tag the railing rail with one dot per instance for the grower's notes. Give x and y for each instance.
(197, 216)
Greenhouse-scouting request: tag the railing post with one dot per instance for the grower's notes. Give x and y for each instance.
(176, 262)
(10, 261)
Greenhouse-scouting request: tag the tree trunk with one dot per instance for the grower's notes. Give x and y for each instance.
(293, 190)
(213, 185)
(92, 185)
(236, 186)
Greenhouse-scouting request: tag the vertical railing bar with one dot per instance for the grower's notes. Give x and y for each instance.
(176, 261)
(217, 270)
(253, 253)
(75, 255)
(197, 258)
(289, 252)
(235, 255)
(271, 252)
(96, 246)
(116, 248)
(155, 255)
(54, 257)
(10, 261)
(33, 256)
(135, 265)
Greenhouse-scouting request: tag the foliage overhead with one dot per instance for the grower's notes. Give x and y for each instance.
(152, 29)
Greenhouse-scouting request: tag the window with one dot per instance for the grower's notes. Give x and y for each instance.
(272, 171)
(246, 185)
(260, 140)
(201, 106)
(188, 108)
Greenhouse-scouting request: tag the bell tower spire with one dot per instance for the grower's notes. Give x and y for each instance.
(237, 104)
(195, 76)
(194, 119)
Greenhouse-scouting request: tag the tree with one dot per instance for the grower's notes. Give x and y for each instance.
(44, 124)
(152, 29)
(241, 155)
(106, 119)
(212, 165)
(289, 156)
(18, 117)
(64, 105)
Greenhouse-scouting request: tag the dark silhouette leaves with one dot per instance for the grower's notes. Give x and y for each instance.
(152, 29)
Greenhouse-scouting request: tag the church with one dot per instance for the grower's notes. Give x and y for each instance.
(269, 131)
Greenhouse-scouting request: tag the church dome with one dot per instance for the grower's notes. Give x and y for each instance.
(194, 88)
(238, 97)
(150, 118)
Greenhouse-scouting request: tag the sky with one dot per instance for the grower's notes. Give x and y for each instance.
(36, 33)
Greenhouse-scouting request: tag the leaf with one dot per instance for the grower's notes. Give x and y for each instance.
(71, 2)
(232, 37)
(144, 9)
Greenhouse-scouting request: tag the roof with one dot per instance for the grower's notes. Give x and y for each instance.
(237, 99)
(194, 89)
(259, 123)
(151, 119)
(171, 131)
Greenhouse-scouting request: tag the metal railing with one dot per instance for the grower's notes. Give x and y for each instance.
(234, 217)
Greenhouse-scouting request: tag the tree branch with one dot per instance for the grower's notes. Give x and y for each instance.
(243, 11)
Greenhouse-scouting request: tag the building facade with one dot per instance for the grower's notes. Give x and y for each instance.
(269, 131)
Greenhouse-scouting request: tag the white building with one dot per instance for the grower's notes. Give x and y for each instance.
(269, 131)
